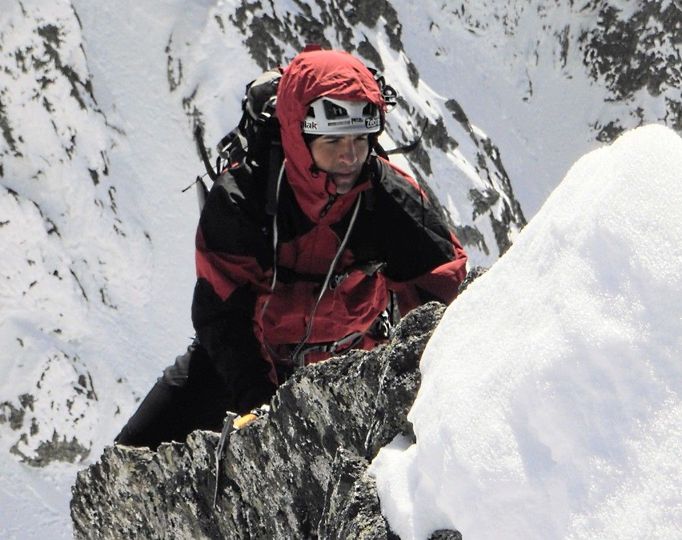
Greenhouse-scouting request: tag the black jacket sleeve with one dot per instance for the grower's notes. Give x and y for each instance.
(233, 262)
(424, 257)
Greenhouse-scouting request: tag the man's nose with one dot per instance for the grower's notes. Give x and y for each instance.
(348, 154)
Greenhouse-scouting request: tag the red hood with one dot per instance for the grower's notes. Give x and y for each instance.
(313, 74)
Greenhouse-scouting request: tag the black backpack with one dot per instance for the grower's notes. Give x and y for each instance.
(254, 145)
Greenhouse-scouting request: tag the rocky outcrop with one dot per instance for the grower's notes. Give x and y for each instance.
(299, 472)
(637, 50)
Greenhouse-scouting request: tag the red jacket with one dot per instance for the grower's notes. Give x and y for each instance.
(249, 330)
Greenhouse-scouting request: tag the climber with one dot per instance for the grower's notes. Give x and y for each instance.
(318, 264)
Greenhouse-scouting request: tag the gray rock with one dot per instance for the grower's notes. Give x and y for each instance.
(351, 507)
(445, 534)
(298, 472)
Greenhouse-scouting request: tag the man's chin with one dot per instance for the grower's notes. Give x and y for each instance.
(344, 182)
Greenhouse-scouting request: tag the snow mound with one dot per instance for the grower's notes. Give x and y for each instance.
(551, 404)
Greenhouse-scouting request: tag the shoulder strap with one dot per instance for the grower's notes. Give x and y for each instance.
(201, 147)
(275, 160)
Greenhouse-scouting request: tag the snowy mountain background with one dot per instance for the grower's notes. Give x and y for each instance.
(97, 107)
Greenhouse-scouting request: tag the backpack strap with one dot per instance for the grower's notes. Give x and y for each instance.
(201, 147)
(275, 160)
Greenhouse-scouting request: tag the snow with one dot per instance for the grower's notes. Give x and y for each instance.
(551, 398)
(503, 63)
(93, 312)
(99, 308)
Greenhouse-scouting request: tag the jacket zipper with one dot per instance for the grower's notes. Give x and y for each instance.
(327, 207)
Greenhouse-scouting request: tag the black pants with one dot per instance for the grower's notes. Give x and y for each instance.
(190, 395)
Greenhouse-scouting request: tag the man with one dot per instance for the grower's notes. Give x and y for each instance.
(279, 288)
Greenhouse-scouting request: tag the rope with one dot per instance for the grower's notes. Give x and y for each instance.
(325, 285)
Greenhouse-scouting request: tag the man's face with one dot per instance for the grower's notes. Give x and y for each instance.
(342, 157)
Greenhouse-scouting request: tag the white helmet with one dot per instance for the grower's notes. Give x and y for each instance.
(328, 116)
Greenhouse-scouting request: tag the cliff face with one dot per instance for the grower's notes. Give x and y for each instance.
(299, 472)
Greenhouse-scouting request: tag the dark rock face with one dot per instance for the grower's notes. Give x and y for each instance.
(632, 50)
(351, 507)
(638, 51)
(269, 32)
(37, 419)
(297, 473)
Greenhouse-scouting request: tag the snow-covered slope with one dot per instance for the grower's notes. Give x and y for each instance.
(549, 80)
(94, 295)
(61, 231)
(568, 423)
(97, 101)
